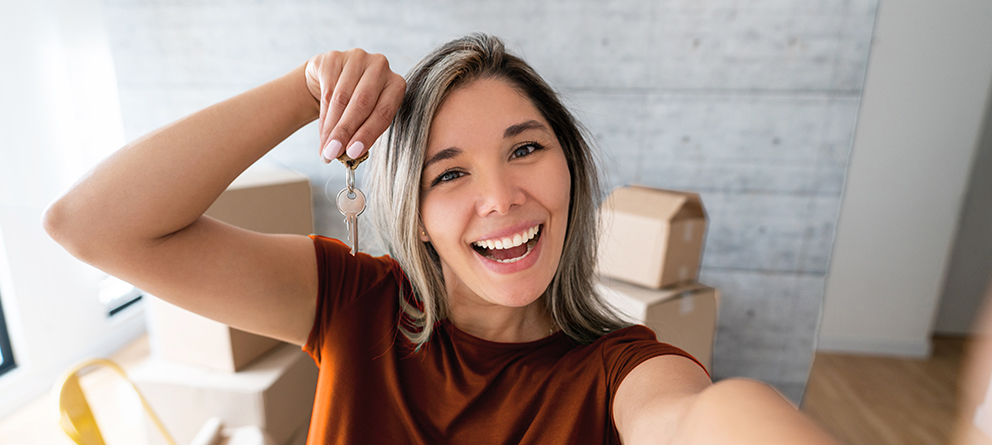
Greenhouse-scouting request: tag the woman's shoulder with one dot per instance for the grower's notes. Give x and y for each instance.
(632, 336)
(346, 277)
(629, 333)
(331, 250)
(625, 348)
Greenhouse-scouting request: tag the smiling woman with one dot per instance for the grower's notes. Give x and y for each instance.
(494, 189)
(482, 326)
(523, 142)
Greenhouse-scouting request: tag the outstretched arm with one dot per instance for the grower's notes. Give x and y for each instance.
(138, 214)
(670, 400)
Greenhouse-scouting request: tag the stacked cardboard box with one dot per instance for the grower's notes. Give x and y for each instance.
(201, 368)
(649, 256)
(275, 393)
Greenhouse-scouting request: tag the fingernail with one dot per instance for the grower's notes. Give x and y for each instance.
(356, 149)
(331, 151)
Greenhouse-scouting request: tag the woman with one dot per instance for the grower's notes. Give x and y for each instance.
(483, 327)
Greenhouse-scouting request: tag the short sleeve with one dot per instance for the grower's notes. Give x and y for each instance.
(629, 347)
(343, 279)
(625, 349)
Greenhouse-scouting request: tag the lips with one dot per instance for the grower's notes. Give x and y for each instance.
(509, 249)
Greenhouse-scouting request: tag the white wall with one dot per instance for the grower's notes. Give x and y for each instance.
(921, 115)
(59, 113)
(970, 268)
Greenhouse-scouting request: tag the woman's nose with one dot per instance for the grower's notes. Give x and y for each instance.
(498, 193)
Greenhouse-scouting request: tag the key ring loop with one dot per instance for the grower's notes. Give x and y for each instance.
(351, 182)
(331, 192)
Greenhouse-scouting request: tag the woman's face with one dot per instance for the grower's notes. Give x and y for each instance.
(494, 196)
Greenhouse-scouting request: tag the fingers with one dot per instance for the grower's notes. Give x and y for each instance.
(359, 96)
(322, 74)
(335, 100)
(379, 117)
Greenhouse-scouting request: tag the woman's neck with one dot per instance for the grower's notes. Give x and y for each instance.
(500, 323)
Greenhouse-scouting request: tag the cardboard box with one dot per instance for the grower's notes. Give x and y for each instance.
(267, 200)
(261, 199)
(652, 237)
(275, 393)
(180, 335)
(684, 316)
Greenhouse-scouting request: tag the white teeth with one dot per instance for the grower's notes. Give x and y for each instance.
(514, 260)
(509, 242)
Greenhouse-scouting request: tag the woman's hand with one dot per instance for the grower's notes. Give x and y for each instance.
(139, 214)
(151, 234)
(358, 96)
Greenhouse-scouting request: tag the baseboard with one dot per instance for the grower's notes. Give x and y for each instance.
(865, 346)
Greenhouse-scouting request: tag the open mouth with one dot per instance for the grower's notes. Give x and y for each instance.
(510, 249)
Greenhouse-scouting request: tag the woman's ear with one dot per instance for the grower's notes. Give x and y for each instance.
(423, 235)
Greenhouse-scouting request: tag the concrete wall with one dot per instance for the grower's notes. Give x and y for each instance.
(753, 104)
(921, 119)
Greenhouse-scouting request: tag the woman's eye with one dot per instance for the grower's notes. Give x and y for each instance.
(449, 175)
(526, 149)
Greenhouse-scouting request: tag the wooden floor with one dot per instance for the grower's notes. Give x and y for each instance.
(35, 423)
(860, 399)
(878, 401)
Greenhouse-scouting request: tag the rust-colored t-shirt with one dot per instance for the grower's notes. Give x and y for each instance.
(375, 389)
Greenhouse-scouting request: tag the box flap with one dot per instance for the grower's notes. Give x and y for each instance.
(692, 208)
(648, 296)
(664, 205)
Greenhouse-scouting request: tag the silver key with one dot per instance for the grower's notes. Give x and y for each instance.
(351, 203)
(351, 200)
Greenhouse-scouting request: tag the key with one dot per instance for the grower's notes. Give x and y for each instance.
(351, 200)
(351, 203)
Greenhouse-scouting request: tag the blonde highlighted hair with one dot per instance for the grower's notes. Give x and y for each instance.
(395, 176)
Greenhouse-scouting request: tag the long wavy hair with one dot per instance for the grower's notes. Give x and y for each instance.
(394, 184)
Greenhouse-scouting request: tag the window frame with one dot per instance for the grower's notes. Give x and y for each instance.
(8, 362)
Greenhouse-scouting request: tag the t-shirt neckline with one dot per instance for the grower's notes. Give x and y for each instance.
(453, 331)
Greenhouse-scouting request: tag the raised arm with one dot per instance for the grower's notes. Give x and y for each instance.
(138, 215)
(669, 400)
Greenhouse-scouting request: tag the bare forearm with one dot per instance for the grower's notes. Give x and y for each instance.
(164, 181)
(739, 411)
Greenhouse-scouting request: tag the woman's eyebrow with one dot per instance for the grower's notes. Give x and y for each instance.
(447, 153)
(510, 132)
(514, 130)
